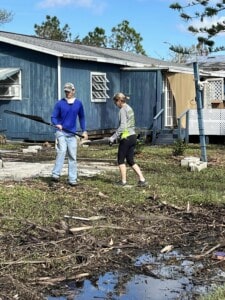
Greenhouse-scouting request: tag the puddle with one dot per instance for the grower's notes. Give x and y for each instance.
(169, 276)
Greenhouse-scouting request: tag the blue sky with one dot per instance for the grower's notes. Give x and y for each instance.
(158, 25)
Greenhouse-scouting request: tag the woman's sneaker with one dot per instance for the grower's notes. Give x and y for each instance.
(142, 183)
(121, 183)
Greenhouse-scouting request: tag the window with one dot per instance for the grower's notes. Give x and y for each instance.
(99, 87)
(170, 114)
(10, 84)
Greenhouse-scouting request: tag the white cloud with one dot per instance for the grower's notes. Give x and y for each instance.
(97, 6)
(208, 22)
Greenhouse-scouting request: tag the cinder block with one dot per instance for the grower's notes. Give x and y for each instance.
(30, 151)
(198, 166)
(189, 159)
(35, 147)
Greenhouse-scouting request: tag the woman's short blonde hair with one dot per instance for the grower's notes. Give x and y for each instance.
(120, 96)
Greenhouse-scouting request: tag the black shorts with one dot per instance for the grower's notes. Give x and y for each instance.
(126, 150)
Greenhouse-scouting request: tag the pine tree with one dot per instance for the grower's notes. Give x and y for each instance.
(203, 10)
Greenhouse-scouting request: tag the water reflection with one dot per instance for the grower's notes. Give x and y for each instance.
(167, 279)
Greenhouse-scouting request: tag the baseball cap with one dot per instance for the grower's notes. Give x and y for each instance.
(69, 87)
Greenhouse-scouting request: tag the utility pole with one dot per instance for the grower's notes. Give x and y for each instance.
(199, 111)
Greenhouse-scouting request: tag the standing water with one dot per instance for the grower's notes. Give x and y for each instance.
(162, 280)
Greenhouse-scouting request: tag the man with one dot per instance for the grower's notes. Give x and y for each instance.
(64, 117)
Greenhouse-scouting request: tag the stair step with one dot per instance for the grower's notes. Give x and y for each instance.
(165, 139)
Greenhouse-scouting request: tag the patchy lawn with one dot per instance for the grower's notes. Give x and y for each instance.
(51, 233)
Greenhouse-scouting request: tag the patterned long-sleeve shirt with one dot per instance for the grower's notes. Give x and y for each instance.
(126, 122)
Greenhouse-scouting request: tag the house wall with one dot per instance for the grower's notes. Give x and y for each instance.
(146, 96)
(99, 116)
(39, 89)
(40, 92)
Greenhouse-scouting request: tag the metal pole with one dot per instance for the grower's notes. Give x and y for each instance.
(199, 111)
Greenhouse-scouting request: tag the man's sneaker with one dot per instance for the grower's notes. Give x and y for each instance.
(55, 179)
(121, 183)
(73, 183)
(142, 183)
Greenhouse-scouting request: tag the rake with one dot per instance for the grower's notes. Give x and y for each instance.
(38, 119)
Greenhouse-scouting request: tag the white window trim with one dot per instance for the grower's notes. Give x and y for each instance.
(168, 104)
(99, 87)
(14, 90)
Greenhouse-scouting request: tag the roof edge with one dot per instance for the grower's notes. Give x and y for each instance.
(31, 47)
(103, 60)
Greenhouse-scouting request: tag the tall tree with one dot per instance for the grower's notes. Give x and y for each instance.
(96, 38)
(205, 9)
(50, 29)
(122, 37)
(5, 16)
(126, 38)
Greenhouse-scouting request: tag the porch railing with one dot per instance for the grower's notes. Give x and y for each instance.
(155, 125)
(213, 120)
(183, 131)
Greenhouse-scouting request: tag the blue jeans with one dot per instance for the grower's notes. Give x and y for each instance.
(66, 145)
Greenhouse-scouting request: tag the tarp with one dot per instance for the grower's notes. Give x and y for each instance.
(183, 89)
(7, 72)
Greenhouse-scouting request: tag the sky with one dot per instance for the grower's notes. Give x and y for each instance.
(158, 25)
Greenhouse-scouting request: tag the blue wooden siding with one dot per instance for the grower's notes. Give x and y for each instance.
(99, 116)
(39, 89)
(40, 86)
(145, 91)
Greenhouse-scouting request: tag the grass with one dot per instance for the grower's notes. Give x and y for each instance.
(219, 294)
(34, 202)
(166, 178)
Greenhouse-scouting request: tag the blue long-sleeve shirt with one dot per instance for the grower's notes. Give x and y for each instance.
(66, 114)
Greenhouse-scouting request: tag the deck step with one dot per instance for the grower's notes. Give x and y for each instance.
(165, 139)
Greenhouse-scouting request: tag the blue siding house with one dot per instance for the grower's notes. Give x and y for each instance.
(34, 70)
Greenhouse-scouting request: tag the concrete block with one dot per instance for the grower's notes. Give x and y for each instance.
(30, 151)
(189, 159)
(198, 166)
(35, 147)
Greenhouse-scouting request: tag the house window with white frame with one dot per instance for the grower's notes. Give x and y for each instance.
(170, 113)
(10, 84)
(99, 87)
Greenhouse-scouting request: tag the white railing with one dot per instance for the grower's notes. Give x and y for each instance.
(213, 121)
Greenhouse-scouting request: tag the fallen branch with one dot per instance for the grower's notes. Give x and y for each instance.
(24, 262)
(207, 252)
(47, 261)
(94, 218)
(53, 281)
(82, 228)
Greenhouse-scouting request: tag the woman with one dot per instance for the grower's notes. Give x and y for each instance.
(127, 140)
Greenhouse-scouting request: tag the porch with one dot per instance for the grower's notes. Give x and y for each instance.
(187, 125)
